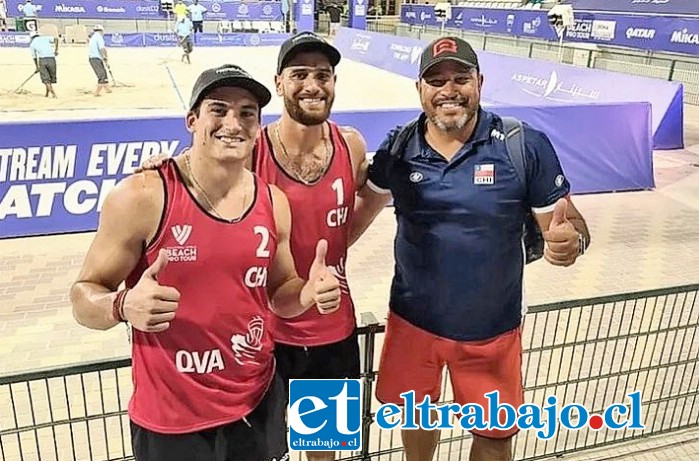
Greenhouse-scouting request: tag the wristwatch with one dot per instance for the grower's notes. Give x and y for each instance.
(582, 244)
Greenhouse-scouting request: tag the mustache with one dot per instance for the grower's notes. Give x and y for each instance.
(456, 100)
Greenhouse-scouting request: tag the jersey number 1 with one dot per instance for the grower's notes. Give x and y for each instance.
(339, 191)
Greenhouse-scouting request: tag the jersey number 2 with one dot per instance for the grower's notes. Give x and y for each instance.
(262, 250)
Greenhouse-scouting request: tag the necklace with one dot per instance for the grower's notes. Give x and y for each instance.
(289, 163)
(206, 197)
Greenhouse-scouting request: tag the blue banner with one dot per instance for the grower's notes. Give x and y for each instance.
(399, 55)
(58, 185)
(54, 176)
(304, 15)
(657, 33)
(147, 9)
(690, 7)
(512, 80)
(680, 35)
(120, 40)
(165, 39)
(357, 14)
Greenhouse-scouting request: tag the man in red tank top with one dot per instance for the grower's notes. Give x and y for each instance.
(203, 246)
(317, 164)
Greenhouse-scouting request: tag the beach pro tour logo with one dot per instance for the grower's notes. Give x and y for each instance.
(446, 45)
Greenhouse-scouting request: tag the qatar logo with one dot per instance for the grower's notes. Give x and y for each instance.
(255, 40)
(243, 10)
(216, 7)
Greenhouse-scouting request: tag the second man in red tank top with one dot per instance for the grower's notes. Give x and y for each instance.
(318, 165)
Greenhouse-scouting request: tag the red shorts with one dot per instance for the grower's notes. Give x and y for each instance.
(414, 359)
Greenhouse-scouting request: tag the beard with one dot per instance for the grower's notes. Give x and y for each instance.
(451, 125)
(298, 114)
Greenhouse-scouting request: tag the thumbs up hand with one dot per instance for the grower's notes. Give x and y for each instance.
(562, 239)
(322, 286)
(149, 306)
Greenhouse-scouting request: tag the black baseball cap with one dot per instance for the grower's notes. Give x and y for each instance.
(448, 49)
(306, 41)
(228, 75)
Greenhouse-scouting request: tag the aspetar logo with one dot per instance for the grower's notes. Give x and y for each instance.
(554, 89)
(484, 22)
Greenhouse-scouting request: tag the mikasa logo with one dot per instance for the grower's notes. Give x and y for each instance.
(181, 233)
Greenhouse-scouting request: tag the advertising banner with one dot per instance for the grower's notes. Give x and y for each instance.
(20, 39)
(657, 33)
(512, 80)
(357, 14)
(690, 7)
(54, 176)
(304, 15)
(146, 9)
(165, 39)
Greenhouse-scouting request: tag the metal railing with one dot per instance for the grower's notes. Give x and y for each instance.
(666, 66)
(592, 352)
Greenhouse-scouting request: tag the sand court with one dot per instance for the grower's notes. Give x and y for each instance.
(153, 81)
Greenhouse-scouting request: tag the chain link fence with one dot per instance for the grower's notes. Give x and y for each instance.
(592, 352)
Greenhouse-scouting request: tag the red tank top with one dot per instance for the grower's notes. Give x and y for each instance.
(322, 210)
(215, 362)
